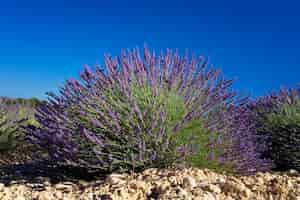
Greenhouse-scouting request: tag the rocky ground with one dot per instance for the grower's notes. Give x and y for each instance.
(190, 184)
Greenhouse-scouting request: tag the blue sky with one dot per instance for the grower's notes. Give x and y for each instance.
(42, 43)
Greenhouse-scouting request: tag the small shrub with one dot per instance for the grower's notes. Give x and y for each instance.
(13, 117)
(245, 144)
(7, 137)
(135, 113)
(8, 132)
(278, 121)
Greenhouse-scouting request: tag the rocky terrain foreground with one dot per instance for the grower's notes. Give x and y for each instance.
(190, 184)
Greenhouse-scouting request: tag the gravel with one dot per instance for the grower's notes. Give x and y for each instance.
(181, 184)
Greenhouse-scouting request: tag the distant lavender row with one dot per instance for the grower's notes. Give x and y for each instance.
(120, 116)
(8, 130)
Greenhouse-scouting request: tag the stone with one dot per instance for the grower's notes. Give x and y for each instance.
(214, 189)
(64, 187)
(58, 195)
(182, 193)
(116, 179)
(247, 193)
(105, 197)
(138, 185)
(293, 172)
(20, 198)
(189, 182)
(150, 171)
(173, 180)
(221, 180)
(2, 186)
(164, 186)
(45, 195)
(36, 186)
(208, 196)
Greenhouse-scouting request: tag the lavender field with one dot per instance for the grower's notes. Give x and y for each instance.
(138, 112)
(149, 100)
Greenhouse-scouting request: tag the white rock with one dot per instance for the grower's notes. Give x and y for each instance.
(182, 192)
(215, 189)
(58, 195)
(208, 196)
(64, 187)
(116, 179)
(164, 186)
(20, 198)
(189, 182)
(293, 172)
(45, 196)
(2, 186)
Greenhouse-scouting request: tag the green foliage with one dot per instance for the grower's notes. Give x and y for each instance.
(287, 114)
(33, 102)
(173, 107)
(192, 133)
(8, 134)
(32, 122)
(283, 125)
(200, 139)
(169, 101)
(14, 114)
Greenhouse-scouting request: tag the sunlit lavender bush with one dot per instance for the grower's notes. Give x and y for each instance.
(140, 112)
(277, 121)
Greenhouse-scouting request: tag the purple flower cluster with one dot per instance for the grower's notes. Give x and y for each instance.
(246, 145)
(275, 100)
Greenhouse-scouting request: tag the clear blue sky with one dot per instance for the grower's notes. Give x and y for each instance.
(44, 42)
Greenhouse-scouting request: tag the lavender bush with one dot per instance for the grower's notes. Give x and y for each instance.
(277, 120)
(246, 145)
(134, 113)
